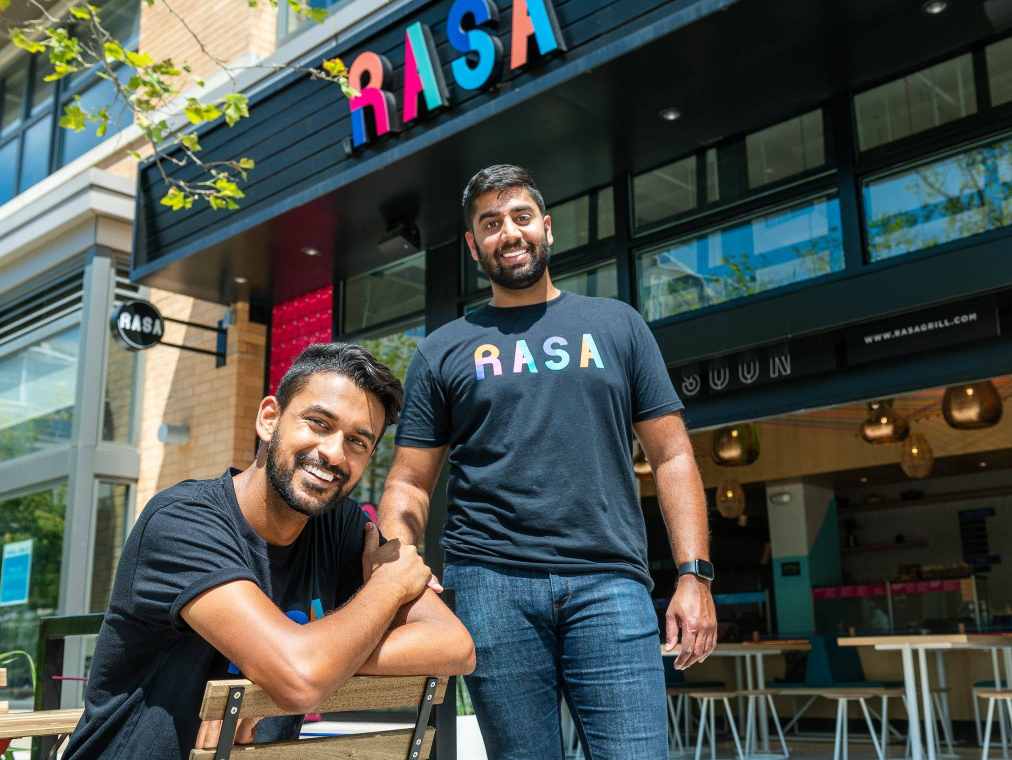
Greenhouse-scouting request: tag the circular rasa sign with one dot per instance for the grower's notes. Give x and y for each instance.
(137, 324)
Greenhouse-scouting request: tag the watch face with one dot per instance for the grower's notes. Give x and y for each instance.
(704, 569)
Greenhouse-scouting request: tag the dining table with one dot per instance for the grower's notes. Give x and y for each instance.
(915, 647)
(750, 672)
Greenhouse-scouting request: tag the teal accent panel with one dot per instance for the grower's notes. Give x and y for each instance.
(793, 597)
(824, 557)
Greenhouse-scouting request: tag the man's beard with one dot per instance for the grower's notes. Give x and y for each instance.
(282, 479)
(516, 278)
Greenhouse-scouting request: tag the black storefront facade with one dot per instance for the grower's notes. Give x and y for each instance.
(810, 203)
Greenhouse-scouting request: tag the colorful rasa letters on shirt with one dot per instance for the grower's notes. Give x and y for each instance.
(487, 355)
(471, 30)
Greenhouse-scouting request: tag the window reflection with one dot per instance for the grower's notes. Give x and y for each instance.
(37, 389)
(739, 260)
(393, 291)
(600, 281)
(999, 71)
(939, 201)
(922, 100)
(783, 150)
(665, 192)
(395, 350)
(110, 532)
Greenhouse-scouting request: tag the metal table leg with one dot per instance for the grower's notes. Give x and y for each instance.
(910, 689)
(929, 724)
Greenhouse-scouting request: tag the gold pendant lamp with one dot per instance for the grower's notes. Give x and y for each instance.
(731, 499)
(735, 446)
(972, 406)
(884, 424)
(916, 457)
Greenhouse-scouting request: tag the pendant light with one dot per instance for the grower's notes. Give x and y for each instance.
(884, 424)
(916, 457)
(972, 406)
(730, 499)
(735, 446)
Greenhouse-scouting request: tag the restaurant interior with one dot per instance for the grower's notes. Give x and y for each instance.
(888, 516)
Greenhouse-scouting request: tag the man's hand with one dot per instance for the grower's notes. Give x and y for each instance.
(691, 611)
(395, 564)
(245, 732)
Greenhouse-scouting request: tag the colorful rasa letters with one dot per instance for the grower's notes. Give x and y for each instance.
(471, 28)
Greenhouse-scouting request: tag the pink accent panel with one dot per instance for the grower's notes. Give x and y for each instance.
(412, 82)
(373, 97)
(296, 324)
(849, 592)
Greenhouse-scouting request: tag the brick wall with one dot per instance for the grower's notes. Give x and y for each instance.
(184, 388)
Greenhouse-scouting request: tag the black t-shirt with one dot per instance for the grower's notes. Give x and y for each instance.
(150, 668)
(537, 405)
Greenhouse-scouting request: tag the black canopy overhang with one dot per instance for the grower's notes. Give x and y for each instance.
(578, 126)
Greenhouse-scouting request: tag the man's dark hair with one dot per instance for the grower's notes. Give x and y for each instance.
(352, 362)
(498, 179)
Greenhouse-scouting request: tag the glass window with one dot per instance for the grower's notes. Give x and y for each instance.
(605, 213)
(570, 224)
(394, 350)
(35, 153)
(396, 290)
(999, 71)
(783, 150)
(111, 513)
(928, 98)
(712, 177)
(8, 170)
(42, 91)
(290, 22)
(939, 201)
(38, 517)
(101, 93)
(600, 281)
(741, 259)
(664, 193)
(13, 93)
(117, 421)
(37, 389)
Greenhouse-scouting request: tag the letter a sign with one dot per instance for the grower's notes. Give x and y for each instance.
(137, 324)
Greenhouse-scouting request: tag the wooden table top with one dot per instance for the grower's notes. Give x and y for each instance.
(751, 647)
(42, 723)
(936, 640)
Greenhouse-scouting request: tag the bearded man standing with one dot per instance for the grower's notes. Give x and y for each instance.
(536, 398)
(265, 568)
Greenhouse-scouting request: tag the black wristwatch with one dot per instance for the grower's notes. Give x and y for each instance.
(699, 567)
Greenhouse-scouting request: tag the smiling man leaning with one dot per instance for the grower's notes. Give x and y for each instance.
(219, 572)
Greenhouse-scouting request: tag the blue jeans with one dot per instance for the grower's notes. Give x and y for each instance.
(590, 638)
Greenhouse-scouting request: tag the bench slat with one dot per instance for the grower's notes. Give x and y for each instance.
(40, 723)
(382, 745)
(360, 693)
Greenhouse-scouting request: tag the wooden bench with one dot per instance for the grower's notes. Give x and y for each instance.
(28, 725)
(228, 701)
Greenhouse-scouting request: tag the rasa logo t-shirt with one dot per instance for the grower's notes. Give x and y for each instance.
(537, 405)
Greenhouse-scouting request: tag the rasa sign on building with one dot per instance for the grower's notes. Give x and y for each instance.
(471, 29)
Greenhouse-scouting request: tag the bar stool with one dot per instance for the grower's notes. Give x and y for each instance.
(752, 723)
(978, 687)
(1005, 697)
(708, 709)
(840, 741)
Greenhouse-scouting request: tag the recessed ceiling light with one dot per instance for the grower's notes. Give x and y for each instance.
(240, 280)
(983, 464)
(864, 480)
(670, 114)
(934, 7)
(311, 251)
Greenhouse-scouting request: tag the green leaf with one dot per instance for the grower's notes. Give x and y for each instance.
(75, 117)
(176, 199)
(335, 67)
(236, 107)
(4, 5)
(319, 15)
(246, 163)
(19, 39)
(60, 70)
(198, 111)
(186, 68)
(103, 121)
(139, 60)
(216, 202)
(349, 91)
(80, 13)
(113, 51)
(190, 141)
(135, 154)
